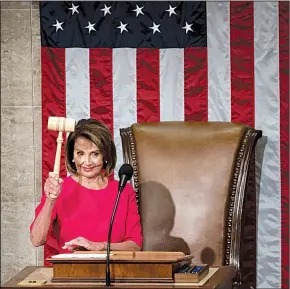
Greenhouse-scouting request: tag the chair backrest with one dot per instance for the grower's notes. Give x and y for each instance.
(190, 180)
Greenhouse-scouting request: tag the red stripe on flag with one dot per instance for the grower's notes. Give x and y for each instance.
(53, 104)
(243, 110)
(195, 84)
(148, 85)
(242, 62)
(101, 85)
(284, 136)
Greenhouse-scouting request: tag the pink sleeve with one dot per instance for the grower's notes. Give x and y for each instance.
(38, 210)
(133, 225)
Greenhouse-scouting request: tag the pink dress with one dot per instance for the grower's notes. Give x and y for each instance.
(82, 212)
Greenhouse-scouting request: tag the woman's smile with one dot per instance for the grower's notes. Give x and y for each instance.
(89, 169)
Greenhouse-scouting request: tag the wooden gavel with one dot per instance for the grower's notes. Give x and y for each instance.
(60, 124)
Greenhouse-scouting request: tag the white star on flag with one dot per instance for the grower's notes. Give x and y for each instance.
(155, 28)
(91, 26)
(187, 27)
(106, 10)
(171, 10)
(138, 10)
(74, 9)
(122, 27)
(57, 25)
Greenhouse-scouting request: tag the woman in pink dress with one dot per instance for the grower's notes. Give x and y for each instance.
(81, 204)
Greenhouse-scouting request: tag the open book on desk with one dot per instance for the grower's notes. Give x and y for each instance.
(134, 255)
(81, 256)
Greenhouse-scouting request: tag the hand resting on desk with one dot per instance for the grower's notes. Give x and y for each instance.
(86, 244)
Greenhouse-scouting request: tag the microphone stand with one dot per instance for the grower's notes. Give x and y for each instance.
(108, 273)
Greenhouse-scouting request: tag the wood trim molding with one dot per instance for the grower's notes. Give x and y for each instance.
(129, 155)
(236, 199)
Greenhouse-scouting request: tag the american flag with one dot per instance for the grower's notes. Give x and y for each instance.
(127, 62)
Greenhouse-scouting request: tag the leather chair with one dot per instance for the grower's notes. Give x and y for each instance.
(190, 180)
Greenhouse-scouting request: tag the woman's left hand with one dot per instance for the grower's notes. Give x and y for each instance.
(83, 242)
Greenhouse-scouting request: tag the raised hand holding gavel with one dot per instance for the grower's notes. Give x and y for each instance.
(52, 185)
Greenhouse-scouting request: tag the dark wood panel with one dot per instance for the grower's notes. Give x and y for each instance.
(120, 272)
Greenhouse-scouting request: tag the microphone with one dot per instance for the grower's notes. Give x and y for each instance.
(125, 174)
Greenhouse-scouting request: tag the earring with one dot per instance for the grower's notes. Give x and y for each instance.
(73, 160)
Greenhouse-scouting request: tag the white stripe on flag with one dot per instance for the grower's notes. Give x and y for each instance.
(124, 95)
(218, 47)
(171, 84)
(77, 73)
(267, 117)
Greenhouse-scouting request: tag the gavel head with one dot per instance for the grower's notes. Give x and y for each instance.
(61, 124)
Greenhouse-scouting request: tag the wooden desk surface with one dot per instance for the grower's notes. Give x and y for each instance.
(220, 280)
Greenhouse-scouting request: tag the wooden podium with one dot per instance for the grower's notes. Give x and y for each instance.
(125, 267)
(129, 270)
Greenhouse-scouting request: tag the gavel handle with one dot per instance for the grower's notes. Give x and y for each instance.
(59, 141)
(56, 167)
